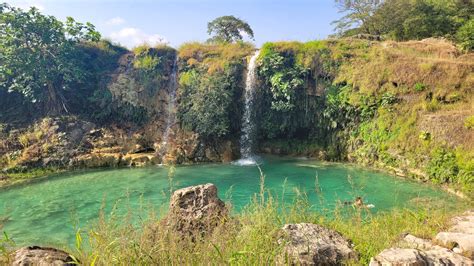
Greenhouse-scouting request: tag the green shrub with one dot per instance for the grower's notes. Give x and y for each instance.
(210, 103)
(419, 87)
(465, 36)
(388, 99)
(469, 122)
(443, 167)
(285, 109)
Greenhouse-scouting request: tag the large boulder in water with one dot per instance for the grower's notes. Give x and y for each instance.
(196, 210)
(311, 244)
(40, 256)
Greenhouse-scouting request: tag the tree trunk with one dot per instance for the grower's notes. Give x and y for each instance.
(55, 103)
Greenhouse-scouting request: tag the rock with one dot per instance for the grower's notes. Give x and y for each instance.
(95, 160)
(416, 251)
(434, 255)
(443, 256)
(463, 241)
(138, 159)
(40, 256)
(460, 237)
(196, 209)
(465, 227)
(463, 224)
(398, 256)
(411, 241)
(311, 244)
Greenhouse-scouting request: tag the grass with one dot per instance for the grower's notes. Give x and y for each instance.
(251, 237)
(213, 57)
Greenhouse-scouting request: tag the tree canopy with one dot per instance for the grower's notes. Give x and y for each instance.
(39, 57)
(408, 19)
(357, 14)
(228, 29)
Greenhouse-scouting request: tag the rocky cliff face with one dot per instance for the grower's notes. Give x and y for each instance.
(140, 86)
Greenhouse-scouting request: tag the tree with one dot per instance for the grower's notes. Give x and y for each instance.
(228, 29)
(38, 55)
(465, 36)
(357, 14)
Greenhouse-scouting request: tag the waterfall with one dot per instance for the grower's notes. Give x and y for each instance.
(171, 112)
(247, 140)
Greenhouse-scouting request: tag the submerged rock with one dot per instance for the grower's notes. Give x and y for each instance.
(40, 256)
(311, 244)
(196, 209)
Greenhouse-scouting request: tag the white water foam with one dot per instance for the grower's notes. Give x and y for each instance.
(245, 162)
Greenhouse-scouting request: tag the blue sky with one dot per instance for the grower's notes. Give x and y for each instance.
(177, 21)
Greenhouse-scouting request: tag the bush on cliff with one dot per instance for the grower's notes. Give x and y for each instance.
(211, 86)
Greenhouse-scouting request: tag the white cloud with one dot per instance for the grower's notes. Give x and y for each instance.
(131, 37)
(115, 21)
(25, 5)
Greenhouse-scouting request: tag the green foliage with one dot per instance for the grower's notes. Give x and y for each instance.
(419, 87)
(442, 167)
(469, 122)
(153, 58)
(388, 99)
(338, 111)
(409, 19)
(212, 57)
(285, 109)
(228, 29)
(146, 62)
(48, 64)
(465, 36)
(208, 104)
(285, 79)
(357, 14)
(425, 20)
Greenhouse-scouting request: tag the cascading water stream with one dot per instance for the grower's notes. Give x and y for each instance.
(171, 112)
(247, 140)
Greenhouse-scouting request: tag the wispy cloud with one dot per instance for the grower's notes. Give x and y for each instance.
(115, 21)
(131, 37)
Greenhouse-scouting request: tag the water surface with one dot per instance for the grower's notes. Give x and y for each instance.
(46, 212)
